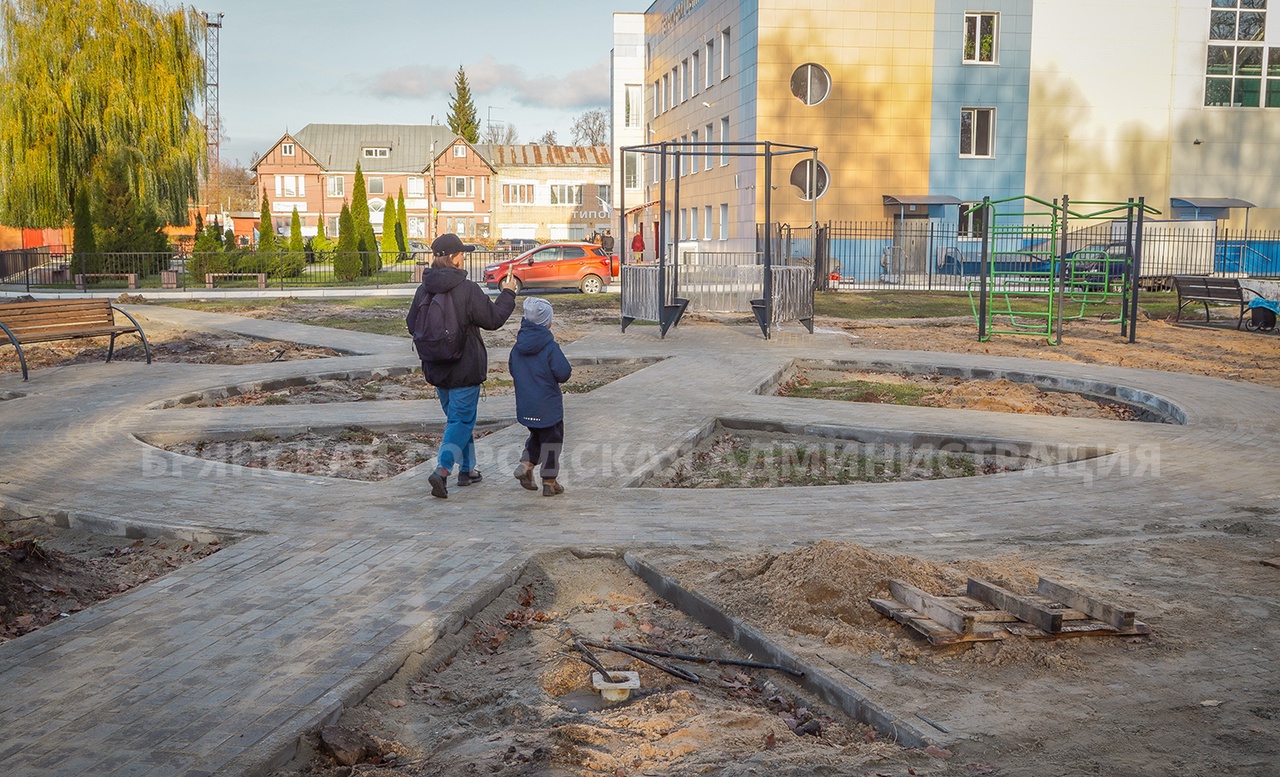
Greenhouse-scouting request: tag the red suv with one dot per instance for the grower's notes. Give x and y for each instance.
(582, 266)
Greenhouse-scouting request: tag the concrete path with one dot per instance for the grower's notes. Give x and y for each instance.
(219, 667)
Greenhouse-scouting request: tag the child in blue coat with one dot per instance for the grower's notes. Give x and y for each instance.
(538, 367)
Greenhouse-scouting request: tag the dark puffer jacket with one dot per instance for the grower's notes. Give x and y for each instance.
(475, 312)
(538, 367)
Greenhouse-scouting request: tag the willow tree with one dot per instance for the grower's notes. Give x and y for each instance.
(80, 79)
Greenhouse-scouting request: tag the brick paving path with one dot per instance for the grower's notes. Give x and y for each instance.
(219, 667)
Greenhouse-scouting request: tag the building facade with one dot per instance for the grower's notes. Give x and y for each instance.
(477, 192)
(550, 192)
(923, 107)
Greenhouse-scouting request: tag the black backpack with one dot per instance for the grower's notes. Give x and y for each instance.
(437, 334)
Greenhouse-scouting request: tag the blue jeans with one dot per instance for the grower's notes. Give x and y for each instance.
(459, 405)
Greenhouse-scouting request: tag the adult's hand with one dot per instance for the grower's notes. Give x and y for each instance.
(508, 283)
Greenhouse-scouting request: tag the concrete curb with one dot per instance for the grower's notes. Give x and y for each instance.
(761, 648)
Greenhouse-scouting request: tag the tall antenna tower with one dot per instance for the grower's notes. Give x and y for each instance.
(212, 122)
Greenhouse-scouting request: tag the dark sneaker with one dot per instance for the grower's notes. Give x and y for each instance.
(438, 489)
(524, 473)
(551, 488)
(467, 478)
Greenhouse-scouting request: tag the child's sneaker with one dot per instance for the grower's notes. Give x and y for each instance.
(467, 478)
(524, 473)
(551, 488)
(438, 488)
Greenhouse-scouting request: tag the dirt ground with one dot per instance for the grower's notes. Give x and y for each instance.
(47, 572)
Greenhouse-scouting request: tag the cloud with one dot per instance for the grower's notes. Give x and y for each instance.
(586, 88)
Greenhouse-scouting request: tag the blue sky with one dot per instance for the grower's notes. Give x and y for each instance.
(536, 64)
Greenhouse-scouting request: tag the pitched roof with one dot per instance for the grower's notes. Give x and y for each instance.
(543, 156)
(340, 146)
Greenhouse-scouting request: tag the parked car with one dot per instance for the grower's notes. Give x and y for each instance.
(511, 246)
(582, 266)
(419, 251)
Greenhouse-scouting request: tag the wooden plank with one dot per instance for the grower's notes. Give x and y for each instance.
(1030, 611)
(1117, 617)
(932, 607)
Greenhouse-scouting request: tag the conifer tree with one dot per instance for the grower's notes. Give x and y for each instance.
(346, 263)
(462, 119)
(390, 224)
(402, 228)
(295, 233)
(266, 228)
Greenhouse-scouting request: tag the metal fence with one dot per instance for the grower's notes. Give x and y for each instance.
(38, 270)
(931, 255)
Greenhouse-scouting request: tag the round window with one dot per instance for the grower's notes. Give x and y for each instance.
(811, 83)
(811, 181)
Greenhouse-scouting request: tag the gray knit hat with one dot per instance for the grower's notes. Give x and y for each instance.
(537, 311)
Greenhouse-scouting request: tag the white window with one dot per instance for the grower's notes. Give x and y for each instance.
(460, 185)
(630, 171)
(417, 226)
(377, 153)
(661, 104)
(977, 132)
(684, 152)
(706, 222)
(981, 38)
(710, 128)
(666, 91)
(657, 97)
(291, 186)
(375, 186)
(684, 80)
(633, 110)
(693, 223)
(604, 192)
(517, 193)
(724, 53)
(710, 63)
(417, 187)
(286, 149)
(335, 186)
(696, 152)
(1238, 61)
(331, 226)
(972, 225)
(566, 194)
(724, 141)
(693, 75)
(460, 151)
(724, 221)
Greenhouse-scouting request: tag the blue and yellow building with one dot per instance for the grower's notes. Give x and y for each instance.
(919, 106)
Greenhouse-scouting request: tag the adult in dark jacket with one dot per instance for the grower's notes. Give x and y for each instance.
(458, 382)
(538, 367)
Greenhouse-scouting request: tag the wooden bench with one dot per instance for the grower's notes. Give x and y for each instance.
(44, 321)
(1204, 289)
(209, 278)
(131, 277)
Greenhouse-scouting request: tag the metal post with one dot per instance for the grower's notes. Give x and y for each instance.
(768, 242)
(983, 269)
(1130, 280)
(1137, 269)
(1062, 275)
(658, 247)
(675, 227)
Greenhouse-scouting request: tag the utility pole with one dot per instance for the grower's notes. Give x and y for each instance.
(212, 121)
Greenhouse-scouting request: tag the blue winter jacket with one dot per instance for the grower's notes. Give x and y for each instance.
(538, 367)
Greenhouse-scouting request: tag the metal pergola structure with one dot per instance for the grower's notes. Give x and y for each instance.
(668, 307)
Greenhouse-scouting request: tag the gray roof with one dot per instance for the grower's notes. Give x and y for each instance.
(340, 146)
(544, 156)
(1211, 202)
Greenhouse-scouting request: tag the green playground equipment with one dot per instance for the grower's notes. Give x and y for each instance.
(1034, 276)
